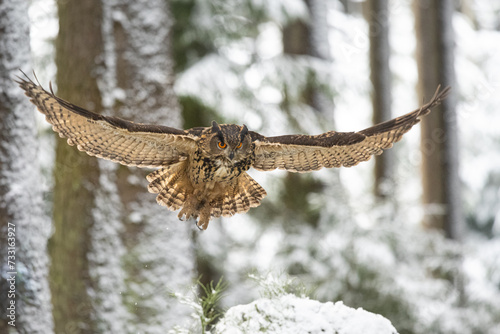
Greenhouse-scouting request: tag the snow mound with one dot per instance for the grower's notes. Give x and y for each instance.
(290, 314)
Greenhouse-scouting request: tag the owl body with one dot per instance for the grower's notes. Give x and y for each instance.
(212, 182)
(206, 169)
(202, 171)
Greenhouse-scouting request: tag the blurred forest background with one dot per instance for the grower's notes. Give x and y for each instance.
(413, 235)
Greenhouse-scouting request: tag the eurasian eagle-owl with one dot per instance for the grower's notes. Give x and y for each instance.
(203, 170)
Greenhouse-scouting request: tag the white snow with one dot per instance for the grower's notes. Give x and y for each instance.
(290, 314)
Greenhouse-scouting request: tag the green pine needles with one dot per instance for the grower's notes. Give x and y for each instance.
(209, 299)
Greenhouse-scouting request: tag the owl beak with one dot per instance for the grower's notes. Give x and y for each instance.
(231, 155)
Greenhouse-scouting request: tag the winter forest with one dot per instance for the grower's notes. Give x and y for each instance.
(408, 242)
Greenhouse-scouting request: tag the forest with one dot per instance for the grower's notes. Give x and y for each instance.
(408, 242)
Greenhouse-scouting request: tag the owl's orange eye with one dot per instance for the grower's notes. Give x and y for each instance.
(239, 145)
(222, 144)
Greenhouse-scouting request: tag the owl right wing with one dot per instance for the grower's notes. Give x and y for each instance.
(302, 153)
(112, 138)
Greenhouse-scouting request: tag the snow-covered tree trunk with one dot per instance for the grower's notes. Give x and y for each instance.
(311, 38)
(319, 47)
(138, 85)
(435, 56)
(380, 76)
(24, 228)
(306, 38)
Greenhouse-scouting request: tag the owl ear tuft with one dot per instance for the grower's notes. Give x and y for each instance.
(215, 127)
(244, 131)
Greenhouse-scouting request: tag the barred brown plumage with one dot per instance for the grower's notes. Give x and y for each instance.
(203, 170)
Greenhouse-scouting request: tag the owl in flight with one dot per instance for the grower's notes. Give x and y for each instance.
(202, 170)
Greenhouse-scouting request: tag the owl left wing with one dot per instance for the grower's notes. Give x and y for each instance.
(302, 153)
(111, 138)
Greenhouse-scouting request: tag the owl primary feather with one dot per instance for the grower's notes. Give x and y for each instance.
(203, 171)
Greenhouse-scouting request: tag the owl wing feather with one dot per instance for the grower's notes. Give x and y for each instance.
(302, 153)
(112, 138)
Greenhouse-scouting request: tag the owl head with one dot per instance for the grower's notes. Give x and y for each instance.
(228, 141)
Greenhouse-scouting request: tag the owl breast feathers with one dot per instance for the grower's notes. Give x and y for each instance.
(202, 171)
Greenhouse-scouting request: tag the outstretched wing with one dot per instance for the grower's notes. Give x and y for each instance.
(111, 138)
(301, 153)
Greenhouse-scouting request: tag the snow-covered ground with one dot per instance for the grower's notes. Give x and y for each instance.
(290, 314)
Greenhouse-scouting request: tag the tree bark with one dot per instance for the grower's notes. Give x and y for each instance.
(435, 56)
(76, 175)
(158, 256)
(311, 38)
(24, 226)
(380, 76)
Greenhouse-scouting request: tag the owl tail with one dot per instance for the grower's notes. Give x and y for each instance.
(239, 197)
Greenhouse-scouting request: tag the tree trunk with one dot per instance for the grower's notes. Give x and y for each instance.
(76, 175)
(311, 38)
(158, 256)
(128, 252)
(24, 227)
(435, 56)
(380, 76)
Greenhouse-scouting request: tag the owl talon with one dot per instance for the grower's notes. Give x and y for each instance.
(182, 216)
(200, 227)
(204, 218)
